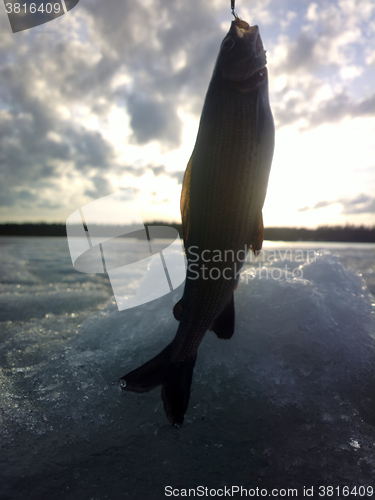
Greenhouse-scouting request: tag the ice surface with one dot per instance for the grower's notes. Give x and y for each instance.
(287, 402)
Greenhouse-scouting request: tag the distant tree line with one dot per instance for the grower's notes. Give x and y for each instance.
(33, 229)
(348, 233)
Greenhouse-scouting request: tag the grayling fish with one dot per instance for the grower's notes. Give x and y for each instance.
(222, 197)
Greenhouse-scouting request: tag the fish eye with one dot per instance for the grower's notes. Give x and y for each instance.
(227, 44)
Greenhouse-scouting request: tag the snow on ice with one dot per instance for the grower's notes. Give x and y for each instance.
(288, 402)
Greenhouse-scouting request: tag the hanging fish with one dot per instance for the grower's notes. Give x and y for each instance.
(222, 197)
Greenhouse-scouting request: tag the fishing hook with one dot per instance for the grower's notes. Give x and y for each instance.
(232, 2)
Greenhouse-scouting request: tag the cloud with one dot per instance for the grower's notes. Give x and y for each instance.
(322, 204)
(151, 61)
(53, 87)
(179, 175)
(317, 72)
(361, 204)
(303, 209)
(341, 106)
(313, 111)
(300, 54)
(156, 170)
(160, 202)
(101, 188)
(152, 120)
(33, 159)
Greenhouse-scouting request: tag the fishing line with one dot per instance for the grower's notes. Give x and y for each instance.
(232, 2)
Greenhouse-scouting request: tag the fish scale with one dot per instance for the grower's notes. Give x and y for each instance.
(217, 177)
(221, 202)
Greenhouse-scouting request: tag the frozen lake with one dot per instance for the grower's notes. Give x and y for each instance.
(288, 402)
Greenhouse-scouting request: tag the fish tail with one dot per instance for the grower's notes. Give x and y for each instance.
(149, 375)
(175, 391)
(174, 376)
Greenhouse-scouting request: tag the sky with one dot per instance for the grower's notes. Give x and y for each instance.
(108, 97)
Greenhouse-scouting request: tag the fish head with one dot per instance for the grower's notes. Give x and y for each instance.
(241, 53)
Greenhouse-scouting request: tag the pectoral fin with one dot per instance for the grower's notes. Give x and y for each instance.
(177, 310)
(223, 324)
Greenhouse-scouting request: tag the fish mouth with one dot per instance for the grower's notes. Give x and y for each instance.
(242, 29)
(243, 58)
